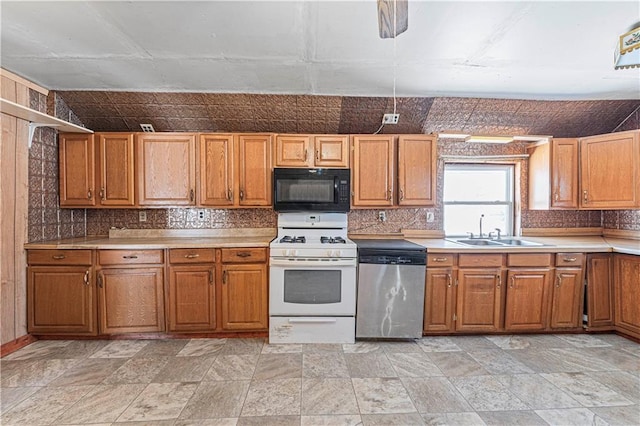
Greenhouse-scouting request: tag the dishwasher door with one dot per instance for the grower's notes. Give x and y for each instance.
(390, 301)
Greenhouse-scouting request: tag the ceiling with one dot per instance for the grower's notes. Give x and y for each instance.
(539, 50)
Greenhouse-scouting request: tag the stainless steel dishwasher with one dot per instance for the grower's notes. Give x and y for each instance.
(391, 276)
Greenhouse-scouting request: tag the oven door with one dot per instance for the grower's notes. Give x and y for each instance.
(312, 287)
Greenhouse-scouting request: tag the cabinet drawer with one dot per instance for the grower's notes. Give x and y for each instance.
(480, 260)
(529, 259)
(440, 259)
(59, 257)
(244, 255)
(569, 259)
(192, 256)
(130, 257)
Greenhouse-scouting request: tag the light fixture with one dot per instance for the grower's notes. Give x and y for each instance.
(489, 139)
(452, 134)
(627, 54)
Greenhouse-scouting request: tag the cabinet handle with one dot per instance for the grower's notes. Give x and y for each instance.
(569, 259)
(241, 194)
(210, 277)
(559, 283)
(192, 195)
(89, 194)
(224, 277)
(439, 259)
(556, 196)
(317, 154)
(100, 279)
(86, 278)
(388, 195)
(102, 193)
(499, 280)
(306, 154)
(401, 194)
(58, 256)
(191, 255)
(244, 254)
(449, 280)
(229, 194)
(131, 256)
(584, 196)
(513, 281)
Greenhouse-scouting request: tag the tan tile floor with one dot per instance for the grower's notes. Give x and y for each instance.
(473, 380)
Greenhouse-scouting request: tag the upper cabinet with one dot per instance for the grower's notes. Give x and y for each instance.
(312, 151)
(166, 169)
(216, 183)
(393, 170)
(553, 175)
(610, 171)
(77, 170)
(115, 169)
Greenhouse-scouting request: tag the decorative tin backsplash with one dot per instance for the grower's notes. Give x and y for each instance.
(628, 220)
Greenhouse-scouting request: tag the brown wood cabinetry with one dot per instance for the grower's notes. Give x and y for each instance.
(627, 293)
(61, 297)
(312, 151)
(166, 169)
(191, 298)
(600, 291)
(479, 292)
(553, 175)
(567, 291)
(440, 293)
(115, 169)
(244, 294)
(217, 167)
(610, 171)
(416, 170)
(527, 291)
(373, 170)
(77, 170)
(130, 291)
(254, 168)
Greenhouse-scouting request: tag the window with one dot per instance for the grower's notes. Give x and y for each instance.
(472, 190)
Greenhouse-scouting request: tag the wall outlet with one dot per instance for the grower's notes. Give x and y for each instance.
(430, 217)
(201, 214)
(382, 216)
(390, 118)
(142, 216)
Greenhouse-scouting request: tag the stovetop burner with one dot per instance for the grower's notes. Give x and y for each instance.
(290, 239)
(332, 240)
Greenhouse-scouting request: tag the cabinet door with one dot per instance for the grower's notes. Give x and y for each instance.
(564, 173)
(131, 300)
(527, 300)
(373, 170)
(438, 300)
(416, 170)
(166, 169)
(565, 303)
(479, 299)
(627, 291)
(255, 170)
(331, 151)
(115, 169)
(192, 298)
(77, 173)
(61, 300)
(599, 290)
(610, 171)
(244, 297)
(293, 151)
(216, 170)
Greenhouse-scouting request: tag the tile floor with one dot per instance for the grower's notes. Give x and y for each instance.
(493, 380)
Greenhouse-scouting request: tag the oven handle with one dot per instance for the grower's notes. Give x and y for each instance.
(311, 320)
(291, 264)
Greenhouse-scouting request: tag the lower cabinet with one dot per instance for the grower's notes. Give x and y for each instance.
(479, 298)
(439, 297)
(244, 297)
(600, 291)
(627, 293)
(527, 299)
(131, 291)
(566, 309)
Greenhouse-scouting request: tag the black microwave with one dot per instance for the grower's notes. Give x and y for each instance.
(311, 190)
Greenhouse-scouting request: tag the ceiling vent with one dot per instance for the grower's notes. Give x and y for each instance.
(147, 128)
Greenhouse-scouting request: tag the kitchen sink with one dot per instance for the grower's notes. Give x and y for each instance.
(497, 243)
(478, 242)
(515, 242)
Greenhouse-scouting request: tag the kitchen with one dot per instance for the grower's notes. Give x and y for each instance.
(112, 111)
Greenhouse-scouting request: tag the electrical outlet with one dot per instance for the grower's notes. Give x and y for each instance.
(147, 128)
(382, 216)
(142, 216)
(430, 217)
(390, 118)
(200, 214)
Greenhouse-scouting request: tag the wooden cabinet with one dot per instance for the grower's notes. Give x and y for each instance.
(567, 291)
(61, 297)
(166, 169)
(254, 168)
(77, 170)
(527, 291)
(416, 170)
(600, 299)
(115, 169)
(439, 295)
(191, 298)
(553, 175)
(610, 171)
(627, 293)
(244, 294)
(131, 291)
(373, 170)
(312, 151)
(217, 167)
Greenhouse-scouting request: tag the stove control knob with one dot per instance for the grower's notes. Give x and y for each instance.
(335, 253)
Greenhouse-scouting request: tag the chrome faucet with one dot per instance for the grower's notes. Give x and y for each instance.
(498, 231)
(481, 234)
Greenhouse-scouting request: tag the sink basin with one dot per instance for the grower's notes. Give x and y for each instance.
(514, 242)
(497, 243)
(478, 242)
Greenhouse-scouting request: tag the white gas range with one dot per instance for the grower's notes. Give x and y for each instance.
(312, 290)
